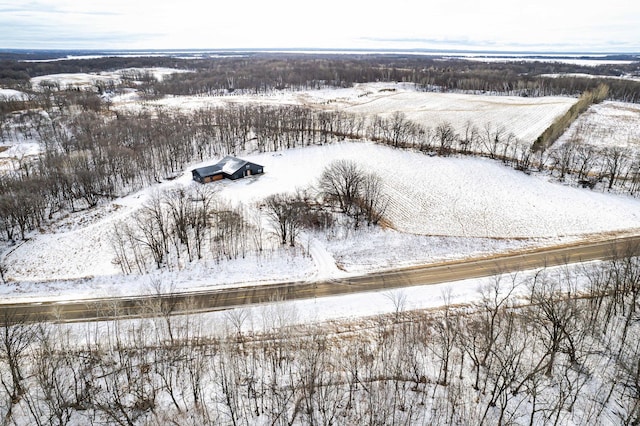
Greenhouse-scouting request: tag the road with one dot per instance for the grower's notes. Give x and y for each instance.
(220, 299)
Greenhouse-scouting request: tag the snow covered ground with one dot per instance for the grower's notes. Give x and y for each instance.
(352, 308)
(526, 118)
(11, 155)
(583, 75)
(12, 95)
(453, 197)
(441, 208)
(84, 80)
(561, 59)
(607, 124)
(349, 307)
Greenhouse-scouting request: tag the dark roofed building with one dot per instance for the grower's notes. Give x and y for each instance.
(227, 168)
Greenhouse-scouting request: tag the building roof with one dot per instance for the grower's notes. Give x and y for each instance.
(228, 165)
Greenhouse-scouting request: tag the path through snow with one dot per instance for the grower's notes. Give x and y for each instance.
(324, 261)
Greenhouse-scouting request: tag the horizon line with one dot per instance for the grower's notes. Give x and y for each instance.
(510, 51)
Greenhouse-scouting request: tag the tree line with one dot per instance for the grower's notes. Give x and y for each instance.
(16, 71)
(561, 124)
(263, 72)
(267, 73)
(546, 348)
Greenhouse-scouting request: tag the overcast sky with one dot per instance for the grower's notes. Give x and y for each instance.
(541, 25)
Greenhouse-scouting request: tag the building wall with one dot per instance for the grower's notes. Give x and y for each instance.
(255, 169)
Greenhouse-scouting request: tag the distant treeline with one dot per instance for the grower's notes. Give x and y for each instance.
(260, 72)
(16, 73)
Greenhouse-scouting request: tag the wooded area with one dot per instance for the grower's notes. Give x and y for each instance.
(535, 349)
(260, 72)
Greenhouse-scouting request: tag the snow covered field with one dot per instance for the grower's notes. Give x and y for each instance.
(583, 75)
(12, 95)
(441, 208)
(607, 124)
(526, 118)
(84, 80)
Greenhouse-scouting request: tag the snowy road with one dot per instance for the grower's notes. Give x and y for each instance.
(220, 299)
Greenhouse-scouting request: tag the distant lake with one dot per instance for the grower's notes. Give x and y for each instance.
(578, 58)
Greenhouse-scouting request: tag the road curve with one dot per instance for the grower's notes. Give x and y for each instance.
(220, 299)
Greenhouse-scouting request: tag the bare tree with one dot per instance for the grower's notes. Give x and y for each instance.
(446, 136)
(616, 161)
(563, 158)
(555, 312)
(355, 192)
(445, 329)
(203, 198)
(469, 140)
(153, 224)
(373, 200)
(340, 183)
(492, 138)
(284, 213)
(399, 300)
(3, 270)
(59, 374)
(401, 130)
(231, 232)
(183, 215)
(17, 335)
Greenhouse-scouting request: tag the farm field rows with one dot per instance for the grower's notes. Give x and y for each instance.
(525, 117)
